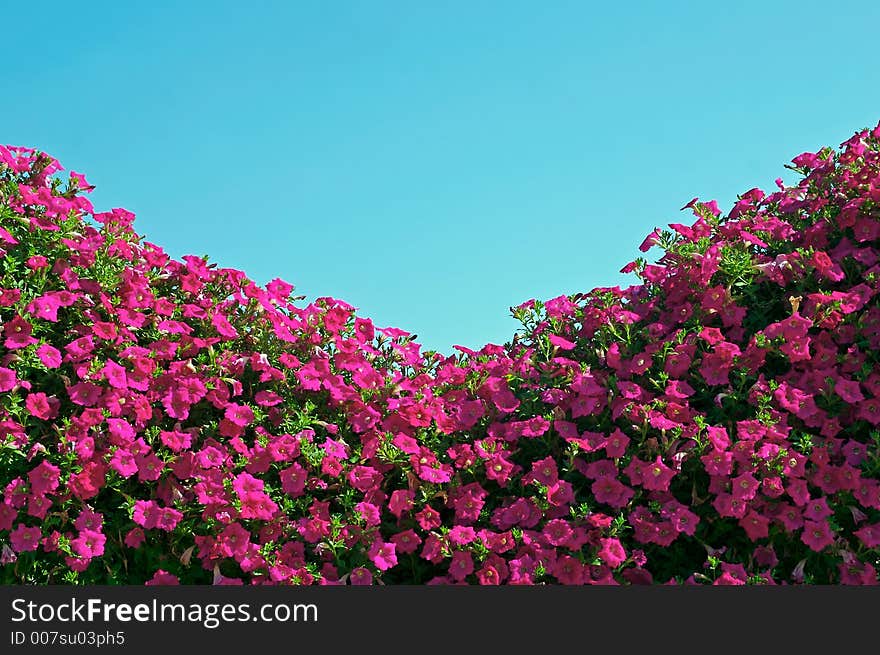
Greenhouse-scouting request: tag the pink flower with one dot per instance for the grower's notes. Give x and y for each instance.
(401, 501)
(24, 539)
(745, 486)
(616, 443)
(168, 518)
(8, 379)
(18, 333)
(817, 509)
(406, 542)
(293, 480)
(849, 390)
(149, 467)
(612, 552)
(45, 307)
(50, 356)
(162, 578)
(89, 520)
(88, 544)
(610, 491)
(134, 538)
(363, 478)
(656, 475)
(41, 406)
(44, 478)
(499, 469)
(569, 570)
(461, 566)
(755, 525)
(361, 576)
(488, 575)
(368, 512)
(869, 535)
(85, 394)
(407, 444)
(557, 532)
(116, 375)
(383, 554)
(123, 462)
(176, 440)
(241, 415)
(461, 535)
(818, 536)
(223, 326)
(560, 342)
(145, 513)
(257, 505)
(234, 540)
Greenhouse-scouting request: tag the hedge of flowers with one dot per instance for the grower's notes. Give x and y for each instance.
(168, 422)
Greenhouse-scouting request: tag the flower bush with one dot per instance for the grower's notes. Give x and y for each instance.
(167, 422)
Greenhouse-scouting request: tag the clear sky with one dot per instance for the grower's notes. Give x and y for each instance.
(431, 163)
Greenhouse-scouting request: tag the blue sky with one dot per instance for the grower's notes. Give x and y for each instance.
(431, 163)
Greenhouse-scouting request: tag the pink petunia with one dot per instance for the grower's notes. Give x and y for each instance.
(84, 394)
(240, 415)
(44, 478)
(49, 355)
(123, 462)
(115, 374)
(162, 578)
(361, 576)
(18, 333)
(406, 542)
(8, 379)
(45, 307)
(383, 554)
(88, 543)
(293, 480)
(24, 539)
(175, 439)
(655, 475)
(817, 535)
(560, 342)
(223, 326)
(612, 552)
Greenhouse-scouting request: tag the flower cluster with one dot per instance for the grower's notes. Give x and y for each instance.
(167, 421)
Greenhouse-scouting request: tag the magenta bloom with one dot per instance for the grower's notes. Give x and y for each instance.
(234, 540)
(41, 406)
(176, 440)
(8, 379)
(162, 578)
(123, 462)
(612, 492)
(406, 542)
(241, 415)
(50, 356)
(817, 535)
(89, 543)
(461, 566)
(361, 576)
(25, 539)
(45, 307)
(85, 394)
(293, 480)
(461, 535)
(383, 554)
(44, 478)
(145, 513)
(612, 552)
(257, 505)
(18, 333)
(656, 475)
